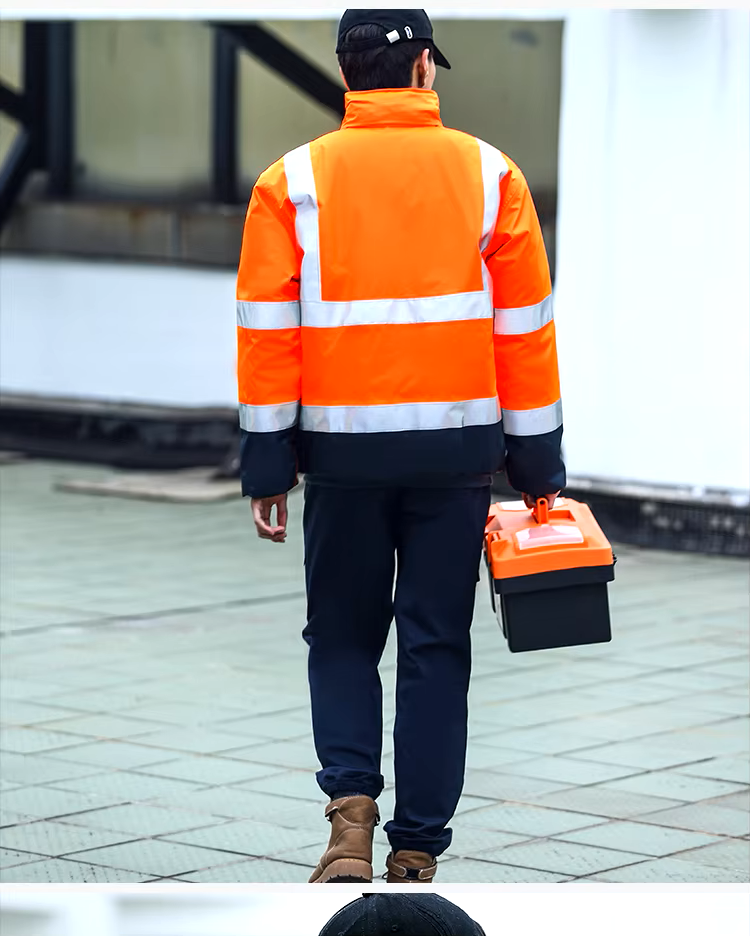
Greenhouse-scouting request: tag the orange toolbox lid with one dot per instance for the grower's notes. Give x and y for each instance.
(520, 541)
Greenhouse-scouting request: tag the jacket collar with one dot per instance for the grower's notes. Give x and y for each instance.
(400, 107)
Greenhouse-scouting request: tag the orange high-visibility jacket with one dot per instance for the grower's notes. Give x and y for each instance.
(394, 310)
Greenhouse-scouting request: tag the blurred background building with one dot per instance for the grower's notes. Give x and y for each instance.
(128, 150)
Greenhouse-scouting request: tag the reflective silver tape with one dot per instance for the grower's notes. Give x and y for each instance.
(303, 195)
(268, 315)
(524, 320)
(400, 417)
(457, 307)
(494, 168)
(270, 418)
(533, 421)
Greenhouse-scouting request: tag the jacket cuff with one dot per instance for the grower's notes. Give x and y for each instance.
(268, 462)
(534, 464)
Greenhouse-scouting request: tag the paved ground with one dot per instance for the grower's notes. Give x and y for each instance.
(156, 721)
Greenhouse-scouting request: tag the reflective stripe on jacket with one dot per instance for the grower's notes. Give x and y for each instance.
(394, 309)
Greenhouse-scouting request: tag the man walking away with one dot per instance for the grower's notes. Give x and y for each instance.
(396, 345)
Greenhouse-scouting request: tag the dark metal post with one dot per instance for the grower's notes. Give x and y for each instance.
(60, 110)
(35, 88)
(224, 119)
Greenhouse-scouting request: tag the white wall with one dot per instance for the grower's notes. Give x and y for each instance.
(116, 331)
(653, 301)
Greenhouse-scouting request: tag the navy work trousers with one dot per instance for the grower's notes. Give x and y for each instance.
(357, 540)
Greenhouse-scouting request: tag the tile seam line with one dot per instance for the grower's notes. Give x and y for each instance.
(151, 616)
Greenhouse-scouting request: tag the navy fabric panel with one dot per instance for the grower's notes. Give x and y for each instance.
(534, 464)
(268, 462)
(394, 457)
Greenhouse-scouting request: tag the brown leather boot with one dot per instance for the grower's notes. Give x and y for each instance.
(410, 867)
(348, 858)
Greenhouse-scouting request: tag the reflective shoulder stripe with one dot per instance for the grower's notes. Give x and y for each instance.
(533, 421)
(400, 417)
(494, 168)
(271, 418)
(268, 315)
(303, 195)
(523, 320)
(458, 307)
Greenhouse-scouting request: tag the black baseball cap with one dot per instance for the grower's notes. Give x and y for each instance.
(408, 914)
(398, 26)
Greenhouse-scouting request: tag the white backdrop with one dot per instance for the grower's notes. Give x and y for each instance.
(653, 295)
(584, 910)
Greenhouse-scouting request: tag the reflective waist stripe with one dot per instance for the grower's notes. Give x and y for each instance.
(400, 417)
(473, 305)
(533, 421)
(271, 418)
(524, 320)
(268, 315)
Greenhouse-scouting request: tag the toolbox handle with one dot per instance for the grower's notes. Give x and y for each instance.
(540, 511)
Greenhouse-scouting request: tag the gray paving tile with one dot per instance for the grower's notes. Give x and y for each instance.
(121, 786)
(735, 769)
(568, 771)
(506, 786)
(640, 838)
(468, 871)
(32, 740)
(8, 818)
(11, 859)
(157, 858)
(32, 770)
(562, 857)
(115, 755)
(255, 839)
(210, 770)
(732, 854)
(54, 839)
(702, 817)
(195, 741)
(143, 821)
(646, 754)
(599, 801)
(234, 803)
(739, 801)
(526, 820)
(256, 871)
(63, 871)
(674, 785)
(106, 727)
(296, 784)
(672, 871)
(47, 803)
(289, 754)
(21, 713)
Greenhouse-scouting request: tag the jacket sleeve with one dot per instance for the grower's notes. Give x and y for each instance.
(525, 351)
(268, 339)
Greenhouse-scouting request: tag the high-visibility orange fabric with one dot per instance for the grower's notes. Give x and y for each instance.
(526, 368)
(399, 216)
(270, 257)
(269, 365)
(364, 255)
(376, 364)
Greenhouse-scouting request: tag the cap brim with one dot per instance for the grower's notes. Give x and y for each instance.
(440, 59)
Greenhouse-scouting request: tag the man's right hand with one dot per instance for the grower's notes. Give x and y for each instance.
(262, 507)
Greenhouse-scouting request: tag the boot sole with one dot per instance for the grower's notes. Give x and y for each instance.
(345, 871)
